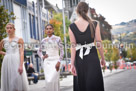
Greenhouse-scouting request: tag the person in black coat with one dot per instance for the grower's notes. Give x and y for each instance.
(31, 73)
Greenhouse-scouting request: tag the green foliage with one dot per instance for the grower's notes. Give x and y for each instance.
(115, 66)
(57, 22)
(111, 67)
(103, 68)
(5, 17)
(115, 55)
(111, 53)
(108, 49)
(131, 52)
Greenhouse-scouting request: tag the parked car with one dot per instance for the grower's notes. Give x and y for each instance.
(107, 65)
(134, 63)
(129, 63)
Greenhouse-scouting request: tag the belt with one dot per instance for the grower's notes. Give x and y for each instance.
(80, 47)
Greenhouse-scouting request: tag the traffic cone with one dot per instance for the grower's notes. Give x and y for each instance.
(69, 66)
(130, 66)
(65, 67)
(127, 67)
(106, 68)
(113, 68)
(134, 66)
(121, 66)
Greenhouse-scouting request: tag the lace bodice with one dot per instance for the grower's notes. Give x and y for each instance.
(51, 45)
(11, 47)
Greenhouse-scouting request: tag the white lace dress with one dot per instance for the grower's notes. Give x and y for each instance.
(11, 80)
(51, 45)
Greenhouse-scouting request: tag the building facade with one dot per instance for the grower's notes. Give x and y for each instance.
(30, 22)
(70, 9)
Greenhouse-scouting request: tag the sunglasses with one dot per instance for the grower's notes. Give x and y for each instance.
(48, 28)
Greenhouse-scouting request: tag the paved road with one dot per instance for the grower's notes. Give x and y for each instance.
(122, 81)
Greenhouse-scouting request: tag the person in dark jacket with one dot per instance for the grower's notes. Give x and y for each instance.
(31, 73)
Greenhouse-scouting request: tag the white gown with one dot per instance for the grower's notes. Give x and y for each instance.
(51, 45)
(11, 80)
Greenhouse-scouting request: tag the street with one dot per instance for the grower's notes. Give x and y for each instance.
(118, 80)
(122, 81)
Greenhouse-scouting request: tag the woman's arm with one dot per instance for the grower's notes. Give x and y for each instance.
(39, 52)
(1, 46)
(73, 52)
(21, 51)
(99, 42)
(60, 44)
(73, 46)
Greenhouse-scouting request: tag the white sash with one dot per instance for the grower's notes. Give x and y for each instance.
(80, 47)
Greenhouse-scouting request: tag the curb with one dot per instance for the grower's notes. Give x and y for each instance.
(114, 73)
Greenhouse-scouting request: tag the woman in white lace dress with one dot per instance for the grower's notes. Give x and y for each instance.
(51, 44)
(13, 74)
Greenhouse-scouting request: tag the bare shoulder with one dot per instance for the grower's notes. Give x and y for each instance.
(76, 21)
(20, 40)
(2, 42)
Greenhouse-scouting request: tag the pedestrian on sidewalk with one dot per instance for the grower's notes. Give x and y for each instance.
(13, 73)
(52, 45)
(85, 64)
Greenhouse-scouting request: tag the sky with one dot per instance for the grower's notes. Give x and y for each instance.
(115, 11)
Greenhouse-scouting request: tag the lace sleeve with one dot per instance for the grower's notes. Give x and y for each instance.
(61, 48)
(39, 52)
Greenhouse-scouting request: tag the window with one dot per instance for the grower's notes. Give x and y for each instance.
(70, 3)
(31, 32)
(76, 2)
(37, 28)
(34, 30)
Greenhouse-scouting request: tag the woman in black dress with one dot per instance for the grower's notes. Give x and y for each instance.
(85, 64)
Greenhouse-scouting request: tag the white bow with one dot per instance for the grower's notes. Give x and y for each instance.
(88, 46)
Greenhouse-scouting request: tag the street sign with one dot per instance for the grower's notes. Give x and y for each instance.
(27, 53)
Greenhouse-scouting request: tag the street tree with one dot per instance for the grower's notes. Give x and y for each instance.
(57, 22)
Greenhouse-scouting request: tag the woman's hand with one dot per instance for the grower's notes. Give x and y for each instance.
(103, 62)
(57, 66)
(20, 70)
(45, 56)
(73, 70)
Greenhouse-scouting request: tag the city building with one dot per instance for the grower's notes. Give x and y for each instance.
(30, 22)
(70, 9)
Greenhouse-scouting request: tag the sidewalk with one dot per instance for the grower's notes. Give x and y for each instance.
(109, 73)
(67, 83)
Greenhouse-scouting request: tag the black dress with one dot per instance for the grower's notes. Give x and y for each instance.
(89, 75)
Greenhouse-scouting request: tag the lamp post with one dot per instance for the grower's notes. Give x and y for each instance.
(64, 29)
(120, 47)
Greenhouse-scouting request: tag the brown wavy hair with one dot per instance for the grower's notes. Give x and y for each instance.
(82, 10)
